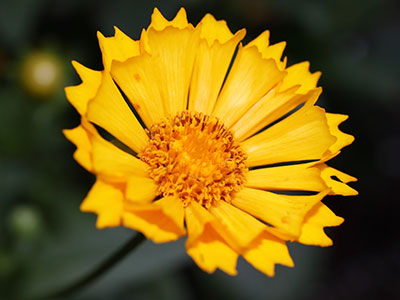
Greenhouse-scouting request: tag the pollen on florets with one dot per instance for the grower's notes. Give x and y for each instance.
(194, 157)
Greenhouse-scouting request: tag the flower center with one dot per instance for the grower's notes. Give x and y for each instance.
(195, 158)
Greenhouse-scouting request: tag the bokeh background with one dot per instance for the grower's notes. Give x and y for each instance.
(45, 242)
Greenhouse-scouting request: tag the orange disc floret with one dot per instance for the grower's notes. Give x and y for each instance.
(195, 157)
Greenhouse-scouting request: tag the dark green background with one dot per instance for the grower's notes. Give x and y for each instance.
(45, 242)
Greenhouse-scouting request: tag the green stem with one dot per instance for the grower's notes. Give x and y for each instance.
(101, 269)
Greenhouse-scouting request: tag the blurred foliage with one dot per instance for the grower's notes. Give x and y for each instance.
(45, 242)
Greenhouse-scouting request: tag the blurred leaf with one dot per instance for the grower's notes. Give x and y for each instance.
(17, 19)
(80, 247)
(15, 121)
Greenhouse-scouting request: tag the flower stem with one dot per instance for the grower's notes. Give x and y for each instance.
(129, 246)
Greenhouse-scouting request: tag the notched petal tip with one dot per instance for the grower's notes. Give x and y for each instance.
(267, 251)
(337, 181)
(317, 75)
(268, 51)
(241, 33)
(319, 217)
(119, 47)
(84, 72)
(79, 95)
(343, 139)
(300, 74)
(106, 201)
(261, 41)
(213, 30)
(159, 22)
(117, 31)
(75, 64)
(181, 16)
(99, 35)
(157, 15)
(204, 244)
(80, 138)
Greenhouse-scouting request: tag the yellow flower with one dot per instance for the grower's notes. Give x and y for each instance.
(197, 160)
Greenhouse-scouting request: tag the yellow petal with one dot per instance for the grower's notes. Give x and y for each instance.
(343, 139)
(212, 30)
(199, 218)
(80, 138)
(269, 51)
(111, 162)
(250, 78)
(301, 177)
(284, 212)
(158, 22)
(173, 66)
(266, 251)
(80, 95)
(214, 55)
(106, 200)
(207, 248)
(115, 164)
(240, 228)
(211, 252)
(312, 232)
(136, 79)
(110, 111)
(304, 135)
(299, 74)
(141, 189)
(102, 157)
(173, 208)
(270, 108)
(338, 187)
(261, 42)
(161, 221)
(120, 47)
(157, 81)
(275, 51)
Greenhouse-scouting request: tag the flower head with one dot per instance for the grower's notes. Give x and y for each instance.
(202, 150)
